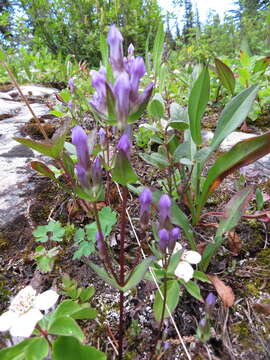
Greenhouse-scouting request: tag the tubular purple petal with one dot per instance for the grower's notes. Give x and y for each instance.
(137, 70)
(121, 91)
(210, 303)
(164, 209)
(142, 99)
(145, 199)
(71, 85)
(102, 136)
(115, 41)
(124, 145)
(82, 175)
(174, 236)
(96, 171)
(80, 140)
(163, 235)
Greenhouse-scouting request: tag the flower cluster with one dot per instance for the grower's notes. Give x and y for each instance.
(124, 94)
(24, 311)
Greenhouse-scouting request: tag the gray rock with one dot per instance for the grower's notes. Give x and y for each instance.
(33, 91)
(8, 109)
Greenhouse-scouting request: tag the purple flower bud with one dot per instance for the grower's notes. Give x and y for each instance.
(124, 145)
(82, 175)
(210, 303)
(80, 140)
(164, 209)
(71, 85)
(141, 100)
(136, 72)
(166, 345)
(102, 136)
(174, 236)
(96, 172)
(98, 100)
(115, 41)
(203, 324)
(145, 199)
(163, 235)
(121, 92)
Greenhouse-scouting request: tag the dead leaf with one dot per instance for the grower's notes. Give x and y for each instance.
(201, 246)
(235, 243)
(262, 308)
(225, 292)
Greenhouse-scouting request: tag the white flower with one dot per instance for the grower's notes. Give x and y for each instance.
(184, 270)
(24, 311)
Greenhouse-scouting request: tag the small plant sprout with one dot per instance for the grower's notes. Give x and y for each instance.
(24, 311)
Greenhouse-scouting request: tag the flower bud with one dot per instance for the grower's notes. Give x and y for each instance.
(124, 145)
(164, 209)
(96, 172)
(145, 199)
(174, 236)
(136, 72)
(210, 303)
(121, 91)
(82, 175)
(80, 140)
(71, 85)
(163, 240)
(115, 41)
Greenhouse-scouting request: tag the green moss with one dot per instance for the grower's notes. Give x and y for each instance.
(242, 331)
(263, 258)
(253, 287)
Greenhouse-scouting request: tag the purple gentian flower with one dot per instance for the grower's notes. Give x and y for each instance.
(124, 145)
(210, 303)
(145, 199)
(121, 91)
(82, 175)
(174, 236)
(164, 209)
(80, 140)
(136, 73)
(98, 100)
(115, 41)
(163, 235)
(96, 172)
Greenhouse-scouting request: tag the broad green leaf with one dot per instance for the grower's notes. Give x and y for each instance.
(43, 148)
(69, 348)
(172, 298)
(37, 350)
(243, 153)
(193, 289)
(66, 308)
(234, 113)
(86, 312)
(261, 65)
(156, 159)
(87, 293)
(66, 326)
(199, 275)
(182, 151)
(156, 107)
(16, 352)
(226, 75)
(122, 172)
(244, 58)
(198, 100)
(234, 210)
(138, 273)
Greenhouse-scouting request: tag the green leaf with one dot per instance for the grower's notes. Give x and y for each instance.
(156, 159)
(158, 49)
(261, 65)
(138, 273)
(199, 275)
(66, 308)
(15, 352)
(259, 199)
(234, 113)
(42, 169)
(172, 299)
(156, 107)
(226, 75)
(65, 325)
(69, 348)
(43, 148)
(174, 261)
(197, 103)
(37, 350)
(122, 172)
(234, 209)
(112, 116)
(54, 229)
(85, 312)
(243, 153)
(104, 275)
(193, 289)
(87, 293)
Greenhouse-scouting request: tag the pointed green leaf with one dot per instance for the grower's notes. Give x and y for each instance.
(197, 103)
(155, 159)
(15, 352)
(66, 326)
(193, 289)
(122, 172)
(103, 274)
(234, 113)
(69, 348)
(138, 273)
(42, 169)
(43, 148)
(158, 49)
(156, 107)
(172, 298)
(37, 350)
(226, 75)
